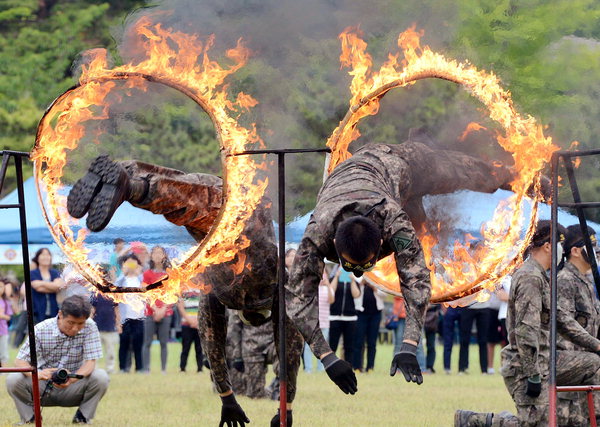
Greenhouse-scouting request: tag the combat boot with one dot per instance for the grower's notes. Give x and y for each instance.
(99, 193)
(463, 418)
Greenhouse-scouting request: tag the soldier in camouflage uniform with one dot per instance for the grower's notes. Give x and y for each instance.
(579, 311)
(525, 358)
(193, 200)
(375, 199)
(251, 351)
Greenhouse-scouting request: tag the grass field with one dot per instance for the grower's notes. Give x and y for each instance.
(177, 399)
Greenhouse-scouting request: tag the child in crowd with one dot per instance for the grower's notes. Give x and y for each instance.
(132, 313)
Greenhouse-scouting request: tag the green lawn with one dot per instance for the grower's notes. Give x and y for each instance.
(177, 399)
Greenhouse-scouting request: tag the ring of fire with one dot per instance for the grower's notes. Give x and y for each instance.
(524, 138)
(176, 67)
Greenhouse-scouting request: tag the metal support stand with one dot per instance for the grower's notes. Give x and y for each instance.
(18, 158)
(579, 206)
(281, 267)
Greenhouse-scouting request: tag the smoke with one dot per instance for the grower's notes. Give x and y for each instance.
(294, 70)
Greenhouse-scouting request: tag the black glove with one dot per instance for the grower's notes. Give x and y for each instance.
(406, 361)
(205, 363)
(534, 386)
(275, 421)
(232, 414)
(238, 365)
(340, 373)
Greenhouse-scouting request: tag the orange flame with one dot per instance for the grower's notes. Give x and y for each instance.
(464, 269)
(471, 127)
(180, 61)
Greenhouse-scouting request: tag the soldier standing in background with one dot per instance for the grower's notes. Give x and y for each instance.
(252, 348)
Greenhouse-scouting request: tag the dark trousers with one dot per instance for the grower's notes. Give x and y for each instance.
(450, 318)
(347, 329)
(367, 330)
(430, 339)
(189, 336)
(482, 320)
(133, 334)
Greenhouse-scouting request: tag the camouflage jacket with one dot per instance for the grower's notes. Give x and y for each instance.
(579, 310)
(382, 182)
(528, 323)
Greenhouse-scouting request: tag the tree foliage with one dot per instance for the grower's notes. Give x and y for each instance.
(546, 53)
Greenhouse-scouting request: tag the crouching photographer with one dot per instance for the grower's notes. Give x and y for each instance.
(67, 346)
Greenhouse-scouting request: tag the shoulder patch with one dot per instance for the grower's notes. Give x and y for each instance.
(401, 241)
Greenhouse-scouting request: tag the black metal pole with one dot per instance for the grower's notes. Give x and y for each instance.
(281, 289)
(553, 294)
(25, 249)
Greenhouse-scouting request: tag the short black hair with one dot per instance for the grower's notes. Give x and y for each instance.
(38, 253)
(575, 238)
(129, 256)
(542, 233)
(576, 228)
(76, 306)
(118, 240)
(358, 237)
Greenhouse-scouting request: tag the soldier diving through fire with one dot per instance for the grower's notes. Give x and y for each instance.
(367, 209)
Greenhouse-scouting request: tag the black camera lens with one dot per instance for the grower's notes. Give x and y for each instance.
(60, 376)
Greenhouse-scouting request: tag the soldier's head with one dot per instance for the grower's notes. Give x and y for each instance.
(254, 317)
(575, 250)
(358, 242)
(541, 243)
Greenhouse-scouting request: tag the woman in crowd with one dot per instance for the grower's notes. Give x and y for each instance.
(5, 314)
(45, 283)
(342, 316)
(158, 314)
(369, 306)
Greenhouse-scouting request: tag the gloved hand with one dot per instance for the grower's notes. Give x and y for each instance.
(340, 373)
(238, 365)
(406, 361)
(205, 363)
(275, 421)
(232, 414)
(534, 386)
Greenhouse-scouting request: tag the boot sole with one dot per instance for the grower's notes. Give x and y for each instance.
(112, 193)
(85, 189)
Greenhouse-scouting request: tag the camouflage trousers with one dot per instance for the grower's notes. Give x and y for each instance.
(255, 379)
(238, 384)
(531, 411)
(482, 419)
(576, 368)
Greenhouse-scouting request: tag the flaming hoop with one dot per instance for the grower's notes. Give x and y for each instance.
(180, 61)
(468, 272)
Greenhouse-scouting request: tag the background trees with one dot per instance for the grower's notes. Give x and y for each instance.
(546, 53)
